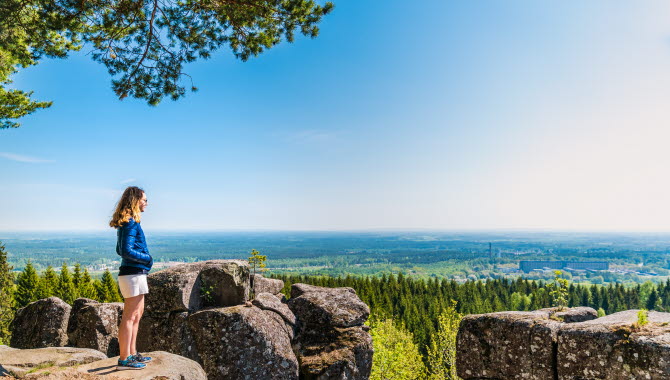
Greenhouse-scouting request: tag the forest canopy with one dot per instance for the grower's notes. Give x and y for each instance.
(143, 43)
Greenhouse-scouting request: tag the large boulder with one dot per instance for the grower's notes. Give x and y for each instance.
(498, 345)
(332, 342)
(226, 283)
(40, 324)
(76, 307)
(164, 366)
(615, 347)
(16, 362)
(167, 332)
(96, 325)
(332, 307)
(338, 353)
(241, 342)
(266, 285)
(190, 287)
(512, 344)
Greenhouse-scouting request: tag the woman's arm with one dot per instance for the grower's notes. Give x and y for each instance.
(128, 238)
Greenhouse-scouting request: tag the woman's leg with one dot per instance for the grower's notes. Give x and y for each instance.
(131, 314)
(136, 325)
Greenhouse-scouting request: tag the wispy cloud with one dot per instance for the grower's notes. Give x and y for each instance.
(22, 158)
(129, 180)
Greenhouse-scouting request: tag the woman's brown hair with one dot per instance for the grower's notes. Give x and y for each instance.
(128, 207)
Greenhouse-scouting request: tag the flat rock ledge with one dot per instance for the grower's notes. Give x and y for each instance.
(164, 366)
(61, 363)
(19, 363)
(569, 345)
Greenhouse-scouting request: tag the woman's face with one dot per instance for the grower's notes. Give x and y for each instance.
(143, 202)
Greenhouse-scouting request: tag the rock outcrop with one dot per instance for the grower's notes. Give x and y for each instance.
(190, 287)
(199, 311)
(569, 345)
(239, 342)
(319, 306)
(266, 285)
(332, 342)
(179, 291)
(41, 323)
(190, 314)
(95, 325)
(270, 302)
(16, 362)
(167, 332)
(76, 306)
(498, 345)
(614, 347)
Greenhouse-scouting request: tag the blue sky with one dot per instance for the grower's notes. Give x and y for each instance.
(400, 115)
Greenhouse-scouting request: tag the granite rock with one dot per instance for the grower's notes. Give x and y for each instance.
(239, 342)
(96, 326)
(167, 332)
(164, 366)
(182, 287)
(614, 347)
(266, 285)
(40, 324)
(17, 362)
(331, 307)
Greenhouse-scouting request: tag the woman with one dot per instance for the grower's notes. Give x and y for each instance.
(135, 265)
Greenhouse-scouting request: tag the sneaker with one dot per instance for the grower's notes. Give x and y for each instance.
(129, 363)
(140, 358)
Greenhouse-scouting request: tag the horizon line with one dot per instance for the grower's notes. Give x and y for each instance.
(362, 230)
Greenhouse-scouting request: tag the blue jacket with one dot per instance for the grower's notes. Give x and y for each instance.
(132, 247)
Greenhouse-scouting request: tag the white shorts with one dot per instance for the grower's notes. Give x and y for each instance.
(133, 285)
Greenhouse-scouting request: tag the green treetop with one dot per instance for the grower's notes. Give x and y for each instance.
(143, 43)
(48, 284)
(26, 287)
(85, 287)
(66, 289)
(396, 356)
(442, 349)
(256, 260)
(76, 275)
(108, 290)
(558, 289)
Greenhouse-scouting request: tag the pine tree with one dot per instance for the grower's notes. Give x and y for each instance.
(101, 291)
(85, 286)
(65, 289)
(27, 284)
(48, 284)
(6, 296)
(256, 260)
(76, 276)
(179, 32)
(652, 301)
(110, 288)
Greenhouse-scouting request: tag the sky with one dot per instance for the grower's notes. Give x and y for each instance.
(440, 115)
